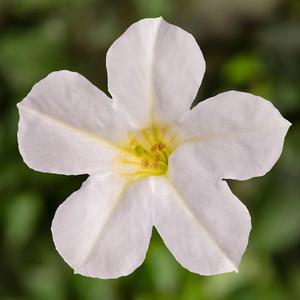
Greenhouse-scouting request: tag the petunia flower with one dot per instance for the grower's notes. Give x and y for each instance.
(152, 160)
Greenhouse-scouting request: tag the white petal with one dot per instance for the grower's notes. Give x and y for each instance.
(154, 71)
(64, 124)
(103, 229)
(202, 223)
(236, 135)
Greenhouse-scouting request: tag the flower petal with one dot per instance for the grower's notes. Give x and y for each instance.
(202, 223)
(236, 135)
(154, 71)
(103, 229)
(68, 126)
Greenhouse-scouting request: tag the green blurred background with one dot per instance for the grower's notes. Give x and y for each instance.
(249, 45)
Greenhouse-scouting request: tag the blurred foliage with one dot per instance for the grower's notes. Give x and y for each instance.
(249, 45)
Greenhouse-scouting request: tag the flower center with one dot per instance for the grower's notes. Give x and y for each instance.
(146, 153)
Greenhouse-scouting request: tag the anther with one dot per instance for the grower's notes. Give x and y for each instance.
(154, 165)
(153, 148)
(144, 163)
(160, 146)
(157, 157)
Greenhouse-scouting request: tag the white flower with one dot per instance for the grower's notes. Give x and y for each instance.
(151, 160)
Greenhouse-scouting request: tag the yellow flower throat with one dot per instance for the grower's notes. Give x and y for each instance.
(147, 153)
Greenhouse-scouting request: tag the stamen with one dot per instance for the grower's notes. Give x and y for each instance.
(161, 147)
(153, 148)
(144, 163)
(154, 165)
(147, 153)
(157, 157)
